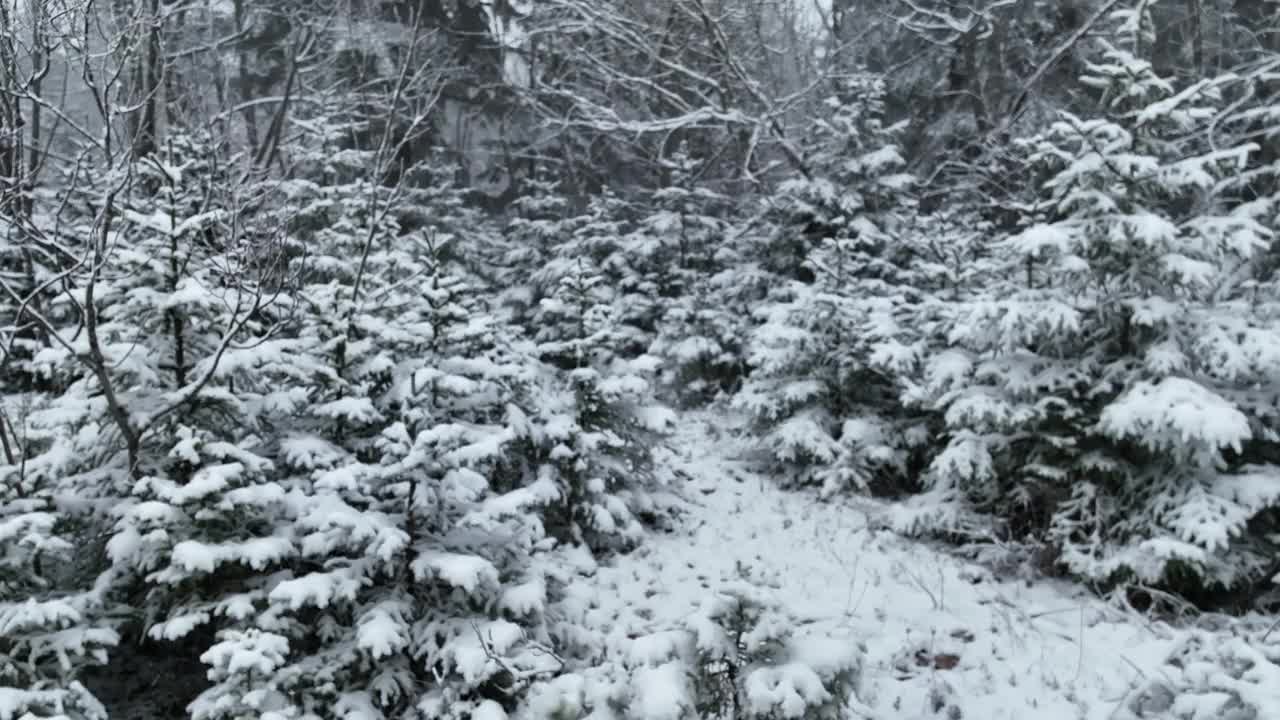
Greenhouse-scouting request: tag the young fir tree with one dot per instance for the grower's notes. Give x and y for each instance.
(1106, 396)
(143, 428)
(540, 220)
(738, 654)
(53, 624)
(700, 341)
(681, 244)
(752, 663)
(411, 589)
(835, 332)
(598, 418)
(207, 300)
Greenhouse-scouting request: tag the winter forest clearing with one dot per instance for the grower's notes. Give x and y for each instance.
(620, 360)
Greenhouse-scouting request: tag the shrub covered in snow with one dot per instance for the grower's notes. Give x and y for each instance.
(1105, 394)
(1208, 676)
(836, 331)
(738, 656)
(752, 663)
(50, 628)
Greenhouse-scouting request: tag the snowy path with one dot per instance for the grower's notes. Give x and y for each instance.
(942, 637)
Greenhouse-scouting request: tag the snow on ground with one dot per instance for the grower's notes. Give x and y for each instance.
(942, 637)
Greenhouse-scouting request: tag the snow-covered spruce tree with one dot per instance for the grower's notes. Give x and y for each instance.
(582, 302)
(653, 251)
(598, 421)
(190, 314)
(647, 248)
(52, 620)
(700, 340)
(604, 235)
(738, 655)
(541, 220)
(141, 345)
(750, 662)
(835, 331)
(1109, 396)
(410, 589)
(675, 241)
(682, 245)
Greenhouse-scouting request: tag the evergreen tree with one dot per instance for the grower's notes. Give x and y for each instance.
(599, 422)
(411, 585)
(835, 330)
(54, 623)
(1106, 395)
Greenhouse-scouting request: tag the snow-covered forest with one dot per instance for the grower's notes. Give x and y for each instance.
(639, 359)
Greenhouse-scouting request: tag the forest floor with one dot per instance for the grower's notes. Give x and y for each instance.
(941, 637)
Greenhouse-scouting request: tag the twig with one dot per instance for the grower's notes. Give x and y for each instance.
(1017, 107)
(487, 646)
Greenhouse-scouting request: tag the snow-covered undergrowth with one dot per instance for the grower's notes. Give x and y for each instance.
(898, 629)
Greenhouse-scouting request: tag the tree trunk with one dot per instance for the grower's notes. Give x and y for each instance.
(144, 121)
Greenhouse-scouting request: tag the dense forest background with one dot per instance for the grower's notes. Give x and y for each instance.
(326, 326)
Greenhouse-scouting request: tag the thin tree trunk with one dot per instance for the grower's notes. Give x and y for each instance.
(11, 124)
(39, 69)
(1197, 36)
(242, 64)
(145, 130)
